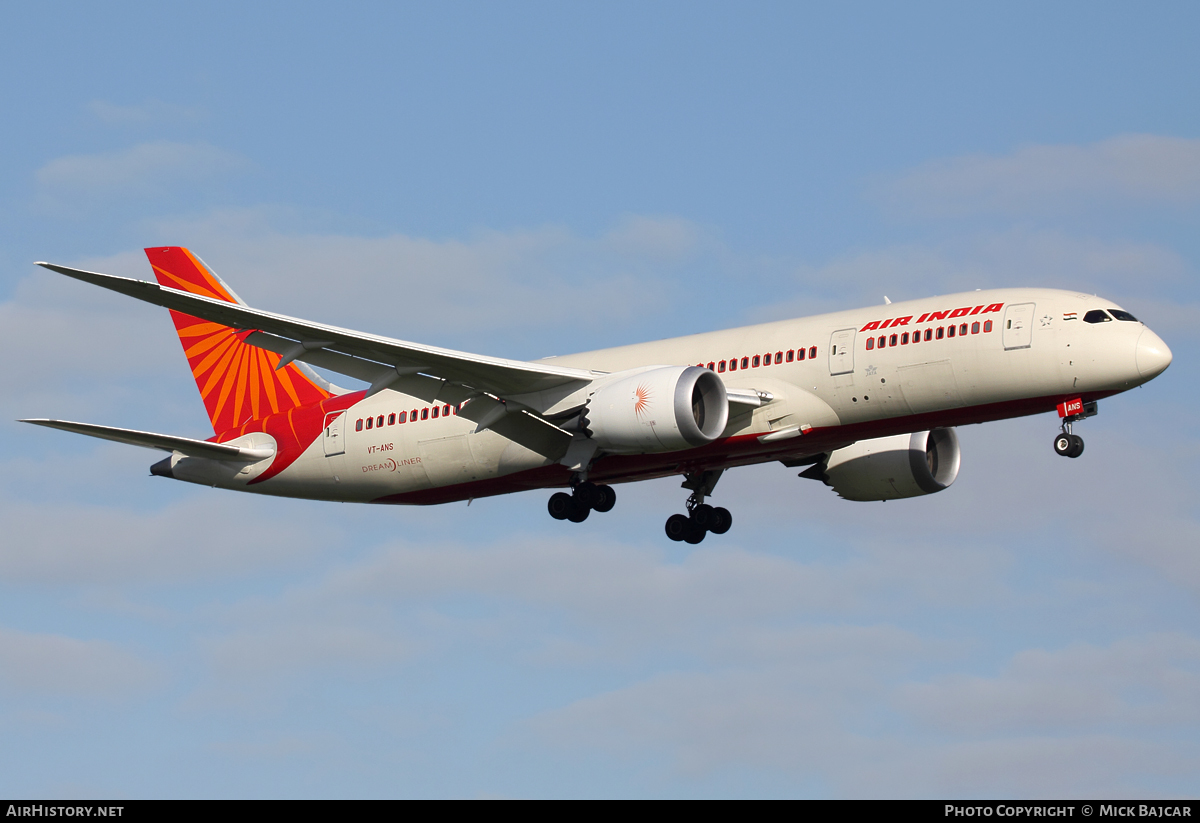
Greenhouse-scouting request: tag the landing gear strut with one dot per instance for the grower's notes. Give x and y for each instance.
(701, 517)
(583, 499)
(1067, 443)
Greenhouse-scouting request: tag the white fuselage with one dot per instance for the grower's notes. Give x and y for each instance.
(1036, 352)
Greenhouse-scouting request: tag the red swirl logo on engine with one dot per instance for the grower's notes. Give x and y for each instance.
(642, 403)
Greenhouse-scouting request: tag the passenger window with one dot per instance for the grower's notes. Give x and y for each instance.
(904, 339)
(941, 332)
(882, 342)
(800, 353)
(892, 340)
(929, 334)
(435, 412)
(392, 419)
(425, 413)
(379, 423)
(413, 415)
(962, 329)
(1122, 315)
(370, 422)
(403, 417)
(755, 361)
(791, 355)
(733, 364)
(987, 326)
(870, 343)
(950, 331)
(446, 410)
(721, 366)
(712, 366)
(1097, 316)
(746, 362)
(778, 357)
(812, 352)
(975, 327)
(358, 425)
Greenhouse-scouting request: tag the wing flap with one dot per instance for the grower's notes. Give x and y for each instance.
(163, 442)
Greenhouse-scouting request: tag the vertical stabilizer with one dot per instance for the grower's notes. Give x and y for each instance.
(237, 381)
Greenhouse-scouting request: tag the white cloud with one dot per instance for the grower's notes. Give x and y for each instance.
(1137, 274)
(58, 665)
(1142, 168)
(145, 170)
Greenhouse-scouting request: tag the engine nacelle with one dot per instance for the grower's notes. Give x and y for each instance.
(662, 409)
(890, 468)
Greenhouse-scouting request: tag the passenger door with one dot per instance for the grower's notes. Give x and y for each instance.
(335, 433)
(841, 351)
(1018, 326)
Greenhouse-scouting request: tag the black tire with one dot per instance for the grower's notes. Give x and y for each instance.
(560, 505)
(695, 534)
(704, 516)
(1076, 446)
(724, 521)
(588, 495)
(1063, 444)
(678, 527)
(579, 512)
(608, 499)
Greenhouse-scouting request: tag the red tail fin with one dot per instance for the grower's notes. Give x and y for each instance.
(236, 381)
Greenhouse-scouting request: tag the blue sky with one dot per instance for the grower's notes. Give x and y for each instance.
(530, 179)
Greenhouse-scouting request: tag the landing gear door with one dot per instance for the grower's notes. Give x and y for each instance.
(1018, 326)
(841, 351)
(335, 433)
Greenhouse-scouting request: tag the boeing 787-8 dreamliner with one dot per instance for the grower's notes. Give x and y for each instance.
(863, 400)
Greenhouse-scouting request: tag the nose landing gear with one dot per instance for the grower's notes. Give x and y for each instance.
(584, 498)
(701, 517)
(1067, 443)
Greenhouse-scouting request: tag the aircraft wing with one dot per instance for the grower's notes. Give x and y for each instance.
(163, 442)
(382, 361)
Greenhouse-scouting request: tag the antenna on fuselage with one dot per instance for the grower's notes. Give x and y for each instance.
(886, 302)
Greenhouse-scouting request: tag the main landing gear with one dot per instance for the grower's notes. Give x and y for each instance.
(701, 517)
(583, 499)
(1066, 442)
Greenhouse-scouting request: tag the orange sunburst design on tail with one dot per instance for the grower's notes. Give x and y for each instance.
(237, 382)
(642, 393)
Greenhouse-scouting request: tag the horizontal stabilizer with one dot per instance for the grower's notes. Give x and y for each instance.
(164, 442)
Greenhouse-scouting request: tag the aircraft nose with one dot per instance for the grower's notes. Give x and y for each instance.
(1153, 356)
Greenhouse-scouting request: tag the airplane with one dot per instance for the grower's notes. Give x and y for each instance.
(865, 401)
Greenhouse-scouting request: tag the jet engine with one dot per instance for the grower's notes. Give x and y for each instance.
(889, 468)
(661, 409)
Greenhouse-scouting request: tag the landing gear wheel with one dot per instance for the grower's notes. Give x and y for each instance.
(588, 495)
(723, 520)
(1076, 445)
(678, 527)
(560, 505)
(1063, 444)
(608, 499)
(704, 517)
(695, 534)
(579, 512)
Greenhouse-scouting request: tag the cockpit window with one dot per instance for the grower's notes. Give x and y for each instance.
(1097, 316)
(1122, 315)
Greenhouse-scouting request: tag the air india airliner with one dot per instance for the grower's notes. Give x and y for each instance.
(865, 401)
